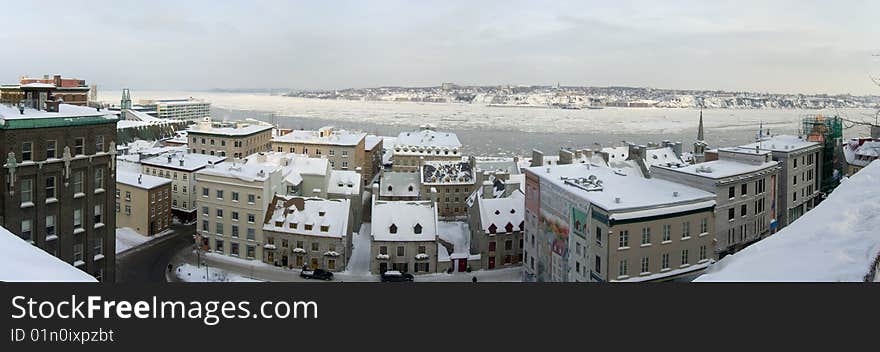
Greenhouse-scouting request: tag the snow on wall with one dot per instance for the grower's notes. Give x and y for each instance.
(836, 241)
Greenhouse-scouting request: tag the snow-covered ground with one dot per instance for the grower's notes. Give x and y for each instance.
(836, 241)
(191, 273)
(479, 116)
(127, 238)
(359, 263)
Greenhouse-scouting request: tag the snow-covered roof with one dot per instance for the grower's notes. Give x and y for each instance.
(663, 156)
(325, 136)
(781, 143)
(140, 180)
(616, 153)
(428, 138)
(835, 241)
(244, 172)
(317, 217)
(722, 168)
(618, 191)
(502, 211)
(447, 173)
(183, 161)
(64, 110)
(861, 152)
(371, 141)
(229, 131)
(404, 215)
(292, 165)
(344, 182)
(24, 262)
(38, 85)
(399, 184)
(507, 165)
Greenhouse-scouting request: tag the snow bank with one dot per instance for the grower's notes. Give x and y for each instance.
(191, 273)
(836, 241)
(23, 262)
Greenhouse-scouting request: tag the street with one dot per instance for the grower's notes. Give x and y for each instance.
(149, 263)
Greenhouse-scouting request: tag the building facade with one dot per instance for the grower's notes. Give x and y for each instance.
(859, 152)
(344, 150)
(180, 168)
(496, 218)
(71, 91)
(191, 110)
(233, 143)
(404, 237)
(412, 148)
(143, 203)
(448, 183)
(308, 232)
(59, 183)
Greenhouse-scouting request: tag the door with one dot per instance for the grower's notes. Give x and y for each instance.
(383, 267)
(314, 263)
(491, 262)
(284, 260)
(462, 264)
(299, 261)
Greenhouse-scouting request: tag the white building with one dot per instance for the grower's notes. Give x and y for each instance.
(425, 144)
(182, 109)
(180, 167)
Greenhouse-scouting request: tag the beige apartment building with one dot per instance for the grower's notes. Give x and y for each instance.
(232, 201)
(411, 148)
(308, 231)
(180, 168)
(143, 203)
(344, 149)
(404, 237)
(236, 141)
(448, 183)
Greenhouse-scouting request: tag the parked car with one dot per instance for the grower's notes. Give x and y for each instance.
(320, 274)
(396, 276)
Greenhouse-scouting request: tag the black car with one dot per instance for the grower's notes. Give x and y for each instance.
(396, 276)
(320, 274)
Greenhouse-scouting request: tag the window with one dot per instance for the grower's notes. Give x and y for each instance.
(492, 246)
(417, 229)
(27, 191)
(205, 191)
(624, 239)
(98, 245)
(598, 236)
(235, 216)
(794, 196)
(667, 232)
(252, 199)
(794, 179)
(78, 146)
(315, 246)
(219, 228)
(233, 249)
(392, 229)
(703, 252)
(78, 182)
(598, 264)
(685, 229)
(219, 213)
(731, 192)
(332, 152)
(234, 231)
(27, 151)
(344, 164)
(795, 162)
(218, 246)
(645, 265)
(205, 226)
(744, 189)
(220, 194)
(26, 230)
(127, 209)
(99, 213)
(704, 225)
(731, 213)
(383, 250)
(99, 178)
(251, 234)
(743, 210)
(664, 261)
(422, 249)
(622, 268)
(206, 211)
(646, 235)
(77, 218)
(99, 144)
(250, 251)
(251, 218)
(684, 257)
(50, 225)
(344, 153)
(234, 196)
(508, 245)
(401, 251)
(50, 149)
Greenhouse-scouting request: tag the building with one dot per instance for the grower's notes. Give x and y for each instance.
(410, 148)
(234, 142)
(744, 184)
(800, 178)
(191, 110)
(373, 152)
(70, 91)
(404, 237)
(586, 222)
(232, 201)
(311, 232)
(399, 186)
(859, 152)
(180, 167)
(344, 149)
(448, 183)
(24, 262)
(496, 219)
(700, 145)
(59, 183)
(143, 202)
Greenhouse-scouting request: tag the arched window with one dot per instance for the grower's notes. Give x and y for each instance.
(417, 229)
(509, 227)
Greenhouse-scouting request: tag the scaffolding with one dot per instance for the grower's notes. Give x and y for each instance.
(827, 131)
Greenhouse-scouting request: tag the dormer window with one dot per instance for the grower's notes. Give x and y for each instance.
(509, 227)
(497, 212)
(493, 228)
(389, 188)
(513, 211)
(308, 227)
(410, 188)
(279, 223)
(293, 225)
(321, 213)
(417, 229)
(392, 228)
(522, 225)
(325, 228)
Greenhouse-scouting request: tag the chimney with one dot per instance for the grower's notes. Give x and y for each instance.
(565, 156)
(180, 161)
(169, 158)
(57, 80)
(537, 158)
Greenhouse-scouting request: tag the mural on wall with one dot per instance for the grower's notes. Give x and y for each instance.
(556, 230)
(579, 223)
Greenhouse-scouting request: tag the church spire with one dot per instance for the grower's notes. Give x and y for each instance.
(700, 136)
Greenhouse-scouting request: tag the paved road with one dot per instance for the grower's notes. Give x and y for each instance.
(149, 263)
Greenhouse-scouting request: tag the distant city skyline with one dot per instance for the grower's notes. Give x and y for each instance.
(781, 47)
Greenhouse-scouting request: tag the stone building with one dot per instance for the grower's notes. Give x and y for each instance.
(404, 237)
(143, 202)
(233, 142)
(311, 232)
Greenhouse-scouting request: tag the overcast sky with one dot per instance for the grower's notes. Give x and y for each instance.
(783, 46)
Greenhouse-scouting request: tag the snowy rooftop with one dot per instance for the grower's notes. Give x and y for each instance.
(836, 241)
(447, 172)
(64, 111)
(293, 165)
(326, 135)
(622, 192)
(663, 156)
(317, 217)
(371, 141)
(229, 131)
(718, 169)
(428, 138)
(244, 172)
(24, 262)
(399, 184)
(404, 216)
(140, 180)
(502, 212)
(497, 164)
(183, 160)
(861, 152)
(781, 143)
(344, 182)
